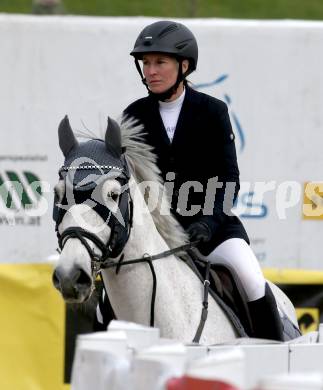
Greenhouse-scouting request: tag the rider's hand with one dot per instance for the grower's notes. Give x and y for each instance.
(199, 231)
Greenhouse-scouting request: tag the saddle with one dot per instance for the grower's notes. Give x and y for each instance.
(229, 295)
(224, 289)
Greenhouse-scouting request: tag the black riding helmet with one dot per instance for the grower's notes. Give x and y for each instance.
(171, 38)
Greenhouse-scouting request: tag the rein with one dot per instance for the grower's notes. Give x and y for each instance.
(146, 258)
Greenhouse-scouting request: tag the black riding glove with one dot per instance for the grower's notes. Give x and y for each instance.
(199, 231)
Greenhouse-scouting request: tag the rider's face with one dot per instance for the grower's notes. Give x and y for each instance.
(160, 71)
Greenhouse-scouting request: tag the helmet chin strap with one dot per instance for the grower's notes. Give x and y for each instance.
(170, 91)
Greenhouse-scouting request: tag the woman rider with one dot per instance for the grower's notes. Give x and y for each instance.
(192, 137)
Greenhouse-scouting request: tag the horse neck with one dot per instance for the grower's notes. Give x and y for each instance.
(129, 291)
(144, 237)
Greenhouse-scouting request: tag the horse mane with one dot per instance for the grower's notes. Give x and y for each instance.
(142, 163)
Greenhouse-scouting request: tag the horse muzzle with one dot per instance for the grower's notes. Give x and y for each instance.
(75, 284)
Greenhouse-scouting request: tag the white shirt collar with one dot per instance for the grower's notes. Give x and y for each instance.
(174, 103)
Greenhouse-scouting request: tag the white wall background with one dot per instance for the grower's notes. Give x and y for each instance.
(81, 66)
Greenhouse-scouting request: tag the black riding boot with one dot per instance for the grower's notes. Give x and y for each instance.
(265, 318)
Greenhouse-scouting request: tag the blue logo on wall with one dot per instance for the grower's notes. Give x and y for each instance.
(253, 209)
(228, 100)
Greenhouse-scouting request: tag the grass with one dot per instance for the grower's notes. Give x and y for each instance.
(252, 9)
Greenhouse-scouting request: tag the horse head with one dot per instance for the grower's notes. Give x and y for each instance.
(92, 208)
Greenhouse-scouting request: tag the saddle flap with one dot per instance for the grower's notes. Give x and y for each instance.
(232, 294)
(224, 286)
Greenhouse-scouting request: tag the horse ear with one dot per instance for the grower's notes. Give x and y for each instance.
(66, 137)
(113, 137)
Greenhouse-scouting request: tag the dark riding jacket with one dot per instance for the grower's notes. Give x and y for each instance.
(202, 155)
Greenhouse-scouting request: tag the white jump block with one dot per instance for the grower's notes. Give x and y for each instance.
(260, 359)
(100, 370)
(195, 351)
(306, 358)
(138, 336)
(154, 366)
(227, 366)
(101, 362)
(292, 382)
(113, 342)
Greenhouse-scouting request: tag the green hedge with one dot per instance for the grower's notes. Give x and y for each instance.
(257, 9)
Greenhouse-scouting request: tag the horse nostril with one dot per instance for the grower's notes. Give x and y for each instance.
(71, 282)
(83, 279)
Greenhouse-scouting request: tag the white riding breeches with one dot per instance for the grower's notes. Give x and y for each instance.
(236, 255)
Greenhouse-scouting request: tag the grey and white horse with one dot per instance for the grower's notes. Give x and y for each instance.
(105, 178)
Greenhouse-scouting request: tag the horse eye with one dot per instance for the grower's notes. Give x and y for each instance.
(113, 195)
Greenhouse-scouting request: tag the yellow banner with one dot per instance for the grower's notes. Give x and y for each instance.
(294, 276)
(32, 329)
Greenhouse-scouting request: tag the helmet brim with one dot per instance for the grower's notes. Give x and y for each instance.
(139, 52)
